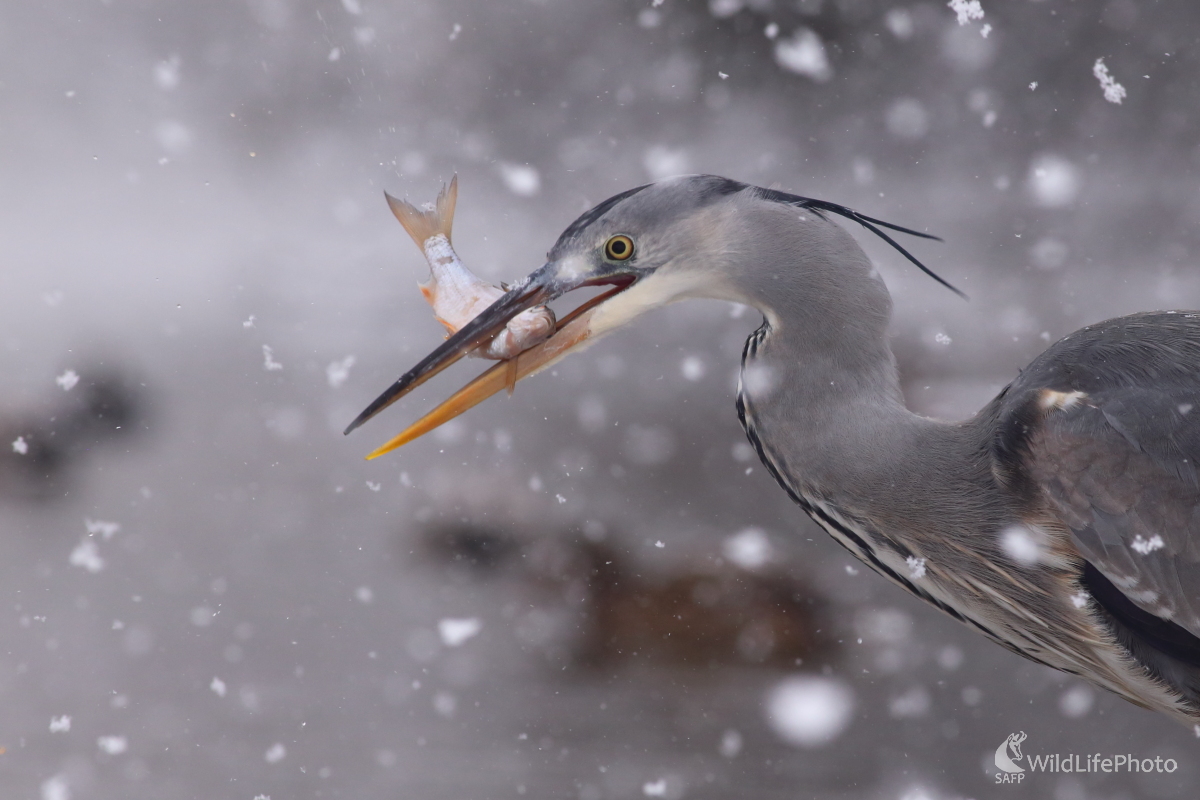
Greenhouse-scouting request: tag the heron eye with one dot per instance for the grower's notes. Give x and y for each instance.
(619, 248)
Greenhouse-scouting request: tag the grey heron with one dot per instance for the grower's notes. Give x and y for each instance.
(1062, 521)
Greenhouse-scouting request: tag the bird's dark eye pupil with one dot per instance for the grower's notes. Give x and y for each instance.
(619, 248)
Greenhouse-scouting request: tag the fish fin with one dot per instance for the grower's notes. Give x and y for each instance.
(428, 291)
(422, 225)
(510, 374)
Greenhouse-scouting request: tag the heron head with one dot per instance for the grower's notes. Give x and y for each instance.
(690, 236)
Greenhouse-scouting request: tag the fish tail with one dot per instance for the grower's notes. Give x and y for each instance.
(422, 225)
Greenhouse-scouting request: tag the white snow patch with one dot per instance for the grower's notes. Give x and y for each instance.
(106, 529)
(900, 22)
(1077, 701)
(269, 362)
(942, 338)
(749, 548)
(804, 54)
(87, 555)
(966, 10)
(911, 704)
(1147, 546)
(656, 788)
(67, 380)
(56, 788)
(113, 745)
(455, 631)
(693, 368)
(60, 724)
(249, 323)
(276, 753)
(722, 9)
(1080, 599)
(809, 711)
(771, 31)
(985, 30)
(1053, 181)
(659, 544)
(521, 179)
(1113, 91)
(731, 743)
(445, 704)
(217, 686)
(173, 136)
(916, 567)
(338, 371)
(373, 486)
(907, 118)
(1022, 544)
(661, 162)
(19, 446)
(166, 73)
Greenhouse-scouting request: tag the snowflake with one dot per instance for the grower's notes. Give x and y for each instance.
(966, 10)
(1113, 91)
(20, 446)
(916, 567)
(1147, 546)
(67, 380)
(269, 362)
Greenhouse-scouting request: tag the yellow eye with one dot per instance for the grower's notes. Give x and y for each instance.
(619, 248)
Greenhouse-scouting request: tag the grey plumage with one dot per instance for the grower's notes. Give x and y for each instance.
(1062, 521)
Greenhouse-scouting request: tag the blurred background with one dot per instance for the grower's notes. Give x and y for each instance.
(591, 590)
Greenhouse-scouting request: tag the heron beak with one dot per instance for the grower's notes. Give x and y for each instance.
(539, 288)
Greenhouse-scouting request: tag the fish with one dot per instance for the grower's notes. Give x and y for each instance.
(455, 293)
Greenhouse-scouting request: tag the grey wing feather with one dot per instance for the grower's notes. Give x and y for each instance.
(1118, 463)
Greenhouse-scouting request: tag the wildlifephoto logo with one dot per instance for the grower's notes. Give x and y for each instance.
(1007, 756)
(1010, 770)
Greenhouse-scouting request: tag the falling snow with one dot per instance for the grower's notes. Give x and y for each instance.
(810, 711)
(966, 10)
(276, 753)
(19, 446)
(217, 686)
(455, 631)
(113, 745)
(338, 371)
(1113, 91)
(804, 54)
(56, 788)
(1147, 546)
(67, 380)
(106, 530)
(87, 556)
(521, 179)
(60, 724)
(916, 567)
(656, 788)
(1022, 544)
(269, 362)
(749, 548)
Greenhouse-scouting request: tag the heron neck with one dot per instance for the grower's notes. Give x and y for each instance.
(830, 419)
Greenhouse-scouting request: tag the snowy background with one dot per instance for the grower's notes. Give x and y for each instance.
(589, 591)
